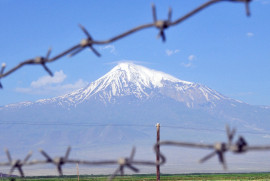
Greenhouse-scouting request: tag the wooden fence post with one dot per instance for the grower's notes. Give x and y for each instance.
(78, 174)
(158, 151)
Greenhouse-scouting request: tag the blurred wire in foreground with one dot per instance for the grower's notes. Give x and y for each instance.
(219, 149)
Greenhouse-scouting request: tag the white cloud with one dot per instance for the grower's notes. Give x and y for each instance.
(171, 52)
(57, 78)
(254, 127)
(189, 64)
(266, 136)
(263, 2)
(47, 85)
(111, 48)
(191, 57)
(250, 34)
(128, 61)
(244, 94)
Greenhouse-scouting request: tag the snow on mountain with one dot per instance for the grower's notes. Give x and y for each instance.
(18, 105)
(123, 80)
(140, 83)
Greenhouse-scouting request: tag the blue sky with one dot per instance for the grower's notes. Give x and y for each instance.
(219, 47)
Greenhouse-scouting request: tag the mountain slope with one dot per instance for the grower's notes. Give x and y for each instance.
(127, 79)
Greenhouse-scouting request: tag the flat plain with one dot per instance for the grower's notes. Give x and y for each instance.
(152, 177)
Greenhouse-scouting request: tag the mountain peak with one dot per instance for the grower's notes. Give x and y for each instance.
(125, 79)
(146, 76)
(124, 66)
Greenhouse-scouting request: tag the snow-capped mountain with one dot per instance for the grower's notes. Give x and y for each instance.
(135, 82)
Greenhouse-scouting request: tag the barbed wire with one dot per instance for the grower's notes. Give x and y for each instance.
(125, 162)
(161, 25)
(219, 149)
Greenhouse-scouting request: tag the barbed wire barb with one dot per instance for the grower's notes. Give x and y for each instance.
(230, 134)
(161, 24)
(44, 60)
(219, 150)
(16, 163)
(85, 43)
(125, 162)
(58, 161)
(1, 72)
(246, 5)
